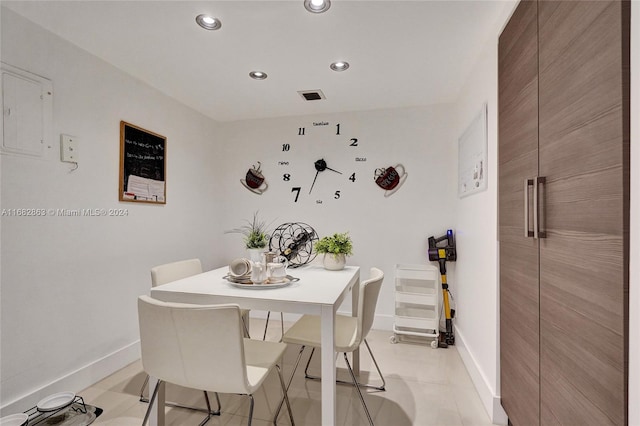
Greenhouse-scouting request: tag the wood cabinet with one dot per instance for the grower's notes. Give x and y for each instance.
(518, 162)
(563, 212)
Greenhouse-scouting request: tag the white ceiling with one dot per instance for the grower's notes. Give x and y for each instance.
(402, 53)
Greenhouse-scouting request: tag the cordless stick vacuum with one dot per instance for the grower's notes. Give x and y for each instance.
(443, 249)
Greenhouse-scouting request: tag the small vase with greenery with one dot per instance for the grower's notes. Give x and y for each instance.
(255, 235)
(335, 249)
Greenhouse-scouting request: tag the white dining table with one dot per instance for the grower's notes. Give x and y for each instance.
(318, 292)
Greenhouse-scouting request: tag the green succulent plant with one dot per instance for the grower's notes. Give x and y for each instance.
(335, 244)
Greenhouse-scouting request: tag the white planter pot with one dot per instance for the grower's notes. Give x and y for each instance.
(334, 262)
(255, 254)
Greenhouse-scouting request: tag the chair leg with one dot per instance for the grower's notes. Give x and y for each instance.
(355, 383)
(218, 402)
(188, 407)
(384, 383)
(306, 368)
(144, 385)
(266, 326)
(342, 382)
(246, 329)
(153, 397)
(250, 411)
(281, 326)
(206, 400)
(209, 413)
(286, 397)
(295, 367)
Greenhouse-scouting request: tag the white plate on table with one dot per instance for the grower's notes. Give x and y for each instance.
(20, 419)
(56, 401)
(265, 286)
(244, 279)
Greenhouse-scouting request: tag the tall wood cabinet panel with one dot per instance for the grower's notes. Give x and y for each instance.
(574, 281)
(518, 160)
(582, 155)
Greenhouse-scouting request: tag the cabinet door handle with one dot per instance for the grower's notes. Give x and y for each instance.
(527, 183)
(537, 212)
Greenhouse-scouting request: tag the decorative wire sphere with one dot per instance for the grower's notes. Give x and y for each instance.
(287, 235)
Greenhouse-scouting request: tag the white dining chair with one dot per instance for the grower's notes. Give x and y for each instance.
(167, 273)
(174, 271)
(180, 346)
(350, 332)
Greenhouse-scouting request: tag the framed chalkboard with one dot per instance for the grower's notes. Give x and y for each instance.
(143, 165)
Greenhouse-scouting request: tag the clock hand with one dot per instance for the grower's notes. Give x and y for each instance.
(320, 165)
(314, 181)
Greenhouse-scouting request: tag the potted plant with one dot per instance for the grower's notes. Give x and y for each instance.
(255, 235)
(335, 249)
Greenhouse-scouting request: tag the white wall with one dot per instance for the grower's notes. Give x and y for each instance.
(476, 275)
(385, 230)
(475, 284)
(69, 284)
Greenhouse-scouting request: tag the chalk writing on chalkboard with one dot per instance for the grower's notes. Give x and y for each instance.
(142, 165)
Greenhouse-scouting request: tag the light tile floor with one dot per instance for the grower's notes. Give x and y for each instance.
(424, 387)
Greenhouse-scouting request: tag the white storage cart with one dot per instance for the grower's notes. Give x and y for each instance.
(417, 310)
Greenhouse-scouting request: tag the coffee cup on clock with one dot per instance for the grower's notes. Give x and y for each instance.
(254, 180)
(390, 178)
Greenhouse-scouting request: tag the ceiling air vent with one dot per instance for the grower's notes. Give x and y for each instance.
(312, 95)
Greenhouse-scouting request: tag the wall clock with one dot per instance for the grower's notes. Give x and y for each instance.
(321, 162)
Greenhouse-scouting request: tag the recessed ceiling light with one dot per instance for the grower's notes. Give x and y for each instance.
(317, 6)
(339, 66)
(258, 75)
(208, 22)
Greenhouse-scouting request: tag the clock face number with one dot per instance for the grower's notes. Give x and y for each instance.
(296, 189)
(336, 195)
(352, 178)
(354, 142)
(338, 129)
(300, 131)
(286, 147)
(286, 177)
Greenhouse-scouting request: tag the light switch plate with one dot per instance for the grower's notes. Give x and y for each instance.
(69, 148)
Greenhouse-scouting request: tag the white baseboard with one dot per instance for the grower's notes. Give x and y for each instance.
(490, 401)
(77, 380)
